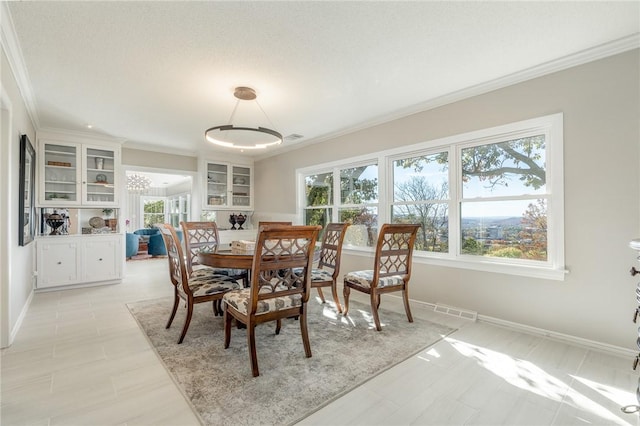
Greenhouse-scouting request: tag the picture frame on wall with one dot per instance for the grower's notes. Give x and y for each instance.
(26, 205)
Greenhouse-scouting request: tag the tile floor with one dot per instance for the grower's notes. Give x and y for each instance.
(80, 359)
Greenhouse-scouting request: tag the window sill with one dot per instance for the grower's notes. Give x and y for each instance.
(484, 266)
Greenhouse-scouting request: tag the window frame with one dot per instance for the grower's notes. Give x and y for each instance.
(550, 125)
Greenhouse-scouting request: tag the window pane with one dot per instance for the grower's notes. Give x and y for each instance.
(515, 167)
(512, 229)
(317, 216)
(153, 212)
(421, 178)
(359, 185)
(434, 218)
(364, 226)
(319, 189)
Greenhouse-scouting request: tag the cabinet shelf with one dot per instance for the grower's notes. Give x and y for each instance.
(55, 152)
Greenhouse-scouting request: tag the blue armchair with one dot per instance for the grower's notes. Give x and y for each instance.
(155, 243)
(133, 241)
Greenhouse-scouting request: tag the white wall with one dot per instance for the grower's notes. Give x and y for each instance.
(601, 105)
(17, 263)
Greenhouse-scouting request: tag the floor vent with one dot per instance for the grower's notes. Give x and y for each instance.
(456, 312)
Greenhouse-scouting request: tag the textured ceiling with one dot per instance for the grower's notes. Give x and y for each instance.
(161, 73)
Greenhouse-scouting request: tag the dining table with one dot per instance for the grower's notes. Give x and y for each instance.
(232, 259)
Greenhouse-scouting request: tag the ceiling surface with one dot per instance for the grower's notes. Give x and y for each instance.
(158, 74)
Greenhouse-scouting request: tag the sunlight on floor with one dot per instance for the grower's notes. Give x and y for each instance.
(616, 395)
(528, 376)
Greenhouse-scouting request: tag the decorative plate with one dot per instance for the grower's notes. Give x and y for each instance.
(101, 178)
(96, 222)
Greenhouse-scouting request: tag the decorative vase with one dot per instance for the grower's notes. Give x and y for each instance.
(232, 220)
(55, 221)
(240, 219)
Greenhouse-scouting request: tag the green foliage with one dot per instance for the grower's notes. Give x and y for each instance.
(509, 252)
(495, 162)
(471, 246)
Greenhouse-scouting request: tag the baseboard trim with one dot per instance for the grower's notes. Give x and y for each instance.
(23, 314)
(590, 344)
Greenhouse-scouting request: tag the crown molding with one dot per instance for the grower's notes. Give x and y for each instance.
(579, 58)
(11, 47)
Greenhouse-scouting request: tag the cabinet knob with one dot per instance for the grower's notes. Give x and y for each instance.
(633, 271)
(59, 263)
(100, 259)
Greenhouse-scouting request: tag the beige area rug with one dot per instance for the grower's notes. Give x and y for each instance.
(347, 351)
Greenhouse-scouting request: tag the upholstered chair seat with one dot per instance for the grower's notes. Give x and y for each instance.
(240, 301)
(209, 284)
(365, 278)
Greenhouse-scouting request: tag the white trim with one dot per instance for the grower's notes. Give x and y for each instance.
(16, 62)
(21, 317)
(568, 338)
(5, 227)
(590, 344)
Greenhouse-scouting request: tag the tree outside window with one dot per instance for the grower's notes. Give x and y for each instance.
(153, 211)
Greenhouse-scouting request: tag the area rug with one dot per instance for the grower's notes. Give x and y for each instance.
(347, 351)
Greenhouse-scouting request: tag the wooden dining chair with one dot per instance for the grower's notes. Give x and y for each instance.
(191, 289)
(266, 223)
(391, 268)
(328, 269)
(280, 285)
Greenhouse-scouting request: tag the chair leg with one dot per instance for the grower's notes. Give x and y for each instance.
(216, 312)
(321, 295)
(334, 292)
(176, 301)
(228, 319)
(375, 302)
(405, 297)
(345, 292)
(278, 325)
(187, 321)
(251, 341)
(305, 333)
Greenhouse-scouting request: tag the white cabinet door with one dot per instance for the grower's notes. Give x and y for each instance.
(58, 263)
(227, 186)
(101, 259)
(59, 174)
(66, 259)
(100, 175)
(78, 174)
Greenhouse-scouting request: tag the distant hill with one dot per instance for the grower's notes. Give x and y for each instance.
(501, 221)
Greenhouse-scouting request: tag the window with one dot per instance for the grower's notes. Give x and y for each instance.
(503, 206)
(153, 211)
(358, 202)
(179, 209)
(488, 200)
(421, 195)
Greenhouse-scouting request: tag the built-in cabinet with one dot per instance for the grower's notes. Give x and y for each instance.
(79, 259)
(227, 186)
(76, 174)
(78, 181)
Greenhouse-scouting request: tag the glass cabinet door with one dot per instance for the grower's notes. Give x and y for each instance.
(60, 174)
(241, 186)
(100, 175)
(217, 180)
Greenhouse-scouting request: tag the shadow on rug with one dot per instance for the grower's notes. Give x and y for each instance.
(347, 351)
